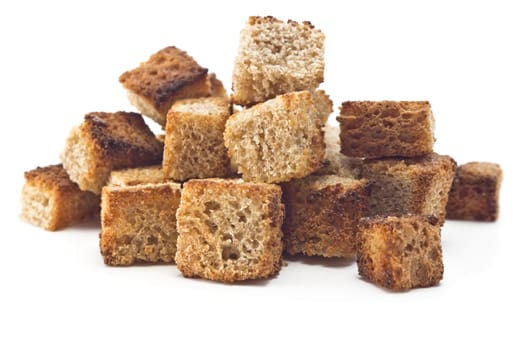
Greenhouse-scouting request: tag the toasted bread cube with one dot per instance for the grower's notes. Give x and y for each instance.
(322, 213)
(276, 57)
(137, 176)
(169, 75)
(400, 253)
(105, 142)
(229, 230)
(475, 192)
(336, 163)
(194, 145)
(52, 201)
(277, 140)
(386, 129)
(409, 185)
(139, 223)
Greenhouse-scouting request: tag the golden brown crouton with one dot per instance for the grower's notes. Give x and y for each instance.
(229, 230)
(386, 129)
(194, 145)
(139, 223)
(52, 201)
(169, 75)
(278, 140)
(409, 185)
(105, 142)
(400, 253)
(322, 213)
(276, 57)
(475, 192)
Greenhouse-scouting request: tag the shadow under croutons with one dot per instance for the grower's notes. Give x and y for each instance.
(250, 283)
(394, 291)
(320, 261)
(91, 223)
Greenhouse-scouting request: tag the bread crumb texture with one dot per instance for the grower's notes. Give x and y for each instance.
(475, 192)
(409, 185)
(52, 201)
(229, 230)
(386, 128)
(276, 57)
(400, 253)
(322, 213)
(139, 223)
(277, 140)
(194, 145)
(169, 75)
(106, 142)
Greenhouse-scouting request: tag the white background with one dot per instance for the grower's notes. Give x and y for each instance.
(62, 60)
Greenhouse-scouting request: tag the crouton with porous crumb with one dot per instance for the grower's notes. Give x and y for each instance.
(322, 213)
(229, 230)
(139, 223)
(475, 192)
(400, 253)
(278, 140)
(106, 142)
(167, 76)
(194, 145)
(409, 185)
(52, 201)
(276, 57)
(373, 129)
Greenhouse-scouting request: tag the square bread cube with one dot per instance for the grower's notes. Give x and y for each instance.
(105, 142)
(167, 76)
(278, 140)
(475, 192)
(52, 201)
(139, 223)
(409, 185)
(137, 176)
(400, 253)
(276, 57)
(194, 143)
(229, 230)
(322, 213)
(336, 163)
(386, 129)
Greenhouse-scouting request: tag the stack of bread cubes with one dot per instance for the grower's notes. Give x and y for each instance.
(237, 180)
